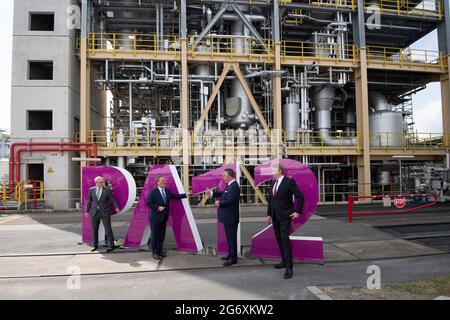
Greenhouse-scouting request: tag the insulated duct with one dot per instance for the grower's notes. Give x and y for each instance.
(323, 99)
(238, 106)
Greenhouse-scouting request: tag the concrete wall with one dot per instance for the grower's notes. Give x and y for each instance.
(61, 95)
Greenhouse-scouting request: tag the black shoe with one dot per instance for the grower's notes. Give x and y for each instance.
(163, 254)
(225, 258)
(94, 248)
(281, 265)
(156, 257)
(288, 274)
(229, 263)
(112, 248)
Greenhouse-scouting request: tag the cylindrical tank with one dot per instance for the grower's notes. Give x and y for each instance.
(125, 37)
(203, 70)
(323, 99)
(379, 102)
(386, 128)
(291, 120)
(120, 139)
(243, 116)
(120, 142)
(384, 178)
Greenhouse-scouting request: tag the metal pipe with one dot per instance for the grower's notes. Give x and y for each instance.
(323, 100)
(12, 160)
(130, 107)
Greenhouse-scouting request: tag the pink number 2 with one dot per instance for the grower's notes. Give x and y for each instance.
(264, 244)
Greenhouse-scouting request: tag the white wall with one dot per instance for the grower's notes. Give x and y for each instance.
(61, 95)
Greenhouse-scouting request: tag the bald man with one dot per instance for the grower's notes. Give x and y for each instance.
(98, 206)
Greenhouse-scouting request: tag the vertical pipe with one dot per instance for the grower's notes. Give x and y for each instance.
(131, 107)
(157, 27)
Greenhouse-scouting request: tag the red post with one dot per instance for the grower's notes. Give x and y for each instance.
(350, 208)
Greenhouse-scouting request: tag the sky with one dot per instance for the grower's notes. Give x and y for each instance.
(427, 103)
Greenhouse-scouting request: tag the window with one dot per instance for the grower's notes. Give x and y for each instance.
(40, 120)
(42, 21)
(40, 70)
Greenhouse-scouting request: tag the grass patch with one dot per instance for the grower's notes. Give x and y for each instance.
(425, 289)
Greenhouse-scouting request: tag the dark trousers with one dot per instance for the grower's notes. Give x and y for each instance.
(231, 233)
(281, 229)
(158, 235)
(109, 235)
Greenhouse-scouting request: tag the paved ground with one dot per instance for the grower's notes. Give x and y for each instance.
(38, 252)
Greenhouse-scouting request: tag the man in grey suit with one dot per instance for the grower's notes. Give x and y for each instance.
(98, 206)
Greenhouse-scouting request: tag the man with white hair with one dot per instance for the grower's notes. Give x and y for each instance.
(98, 203)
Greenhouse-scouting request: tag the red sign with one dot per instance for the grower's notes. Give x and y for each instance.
(400, 202)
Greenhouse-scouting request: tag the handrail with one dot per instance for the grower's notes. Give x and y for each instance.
(424, 8)
(319, 51)
(405, 56)
(351, 202)
(294, 140)
(132, 43)
(229, 46)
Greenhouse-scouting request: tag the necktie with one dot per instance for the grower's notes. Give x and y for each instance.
(98, 193)
(275, 188)
(163, 193)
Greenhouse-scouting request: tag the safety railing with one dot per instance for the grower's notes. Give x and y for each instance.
(409, 141)
(230, 46)
(132, 43)
(306, 139)
(227, 139)
(337, 193)
(19, 195)
(424, 8)
(332, 3)
(400, 201)
(406, 57)
(318, 51)
(136, 139)
(300, 140)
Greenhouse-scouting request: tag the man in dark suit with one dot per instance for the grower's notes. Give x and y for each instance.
(228, 206)
(158, 201)
(98, 203)
(281, 212)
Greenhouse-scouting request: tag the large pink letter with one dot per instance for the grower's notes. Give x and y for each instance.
(181, 217)
(264, 244)
(212, 180)
(123, 188)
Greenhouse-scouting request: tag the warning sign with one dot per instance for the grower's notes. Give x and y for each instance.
(400, 202)
(50, 170)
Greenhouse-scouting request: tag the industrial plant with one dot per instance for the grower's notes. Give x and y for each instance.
(201, 83)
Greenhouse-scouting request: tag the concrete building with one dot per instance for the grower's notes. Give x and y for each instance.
(46, 95)
(327, 82)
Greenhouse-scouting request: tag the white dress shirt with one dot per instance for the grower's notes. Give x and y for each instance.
(98, 191)
(276, 185)
(163, 193)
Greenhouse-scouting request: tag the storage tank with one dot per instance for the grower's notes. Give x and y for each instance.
(384, 178)
(386, 126)
(291, 120)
